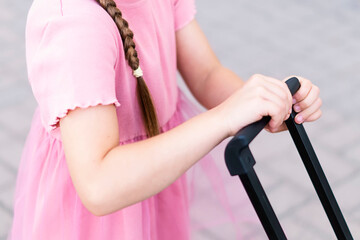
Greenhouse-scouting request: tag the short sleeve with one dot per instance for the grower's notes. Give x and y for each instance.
(73, 65)
(185, 11)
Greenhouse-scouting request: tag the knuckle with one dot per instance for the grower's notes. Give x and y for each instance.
(256, 77)
(258, 102)
(320, 113)
(316, 89)
(306, 81)
(260, 90)
(320, 102)
(284, 85)
(304, 103)
(303, 93)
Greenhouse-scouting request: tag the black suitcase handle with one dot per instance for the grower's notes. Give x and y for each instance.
(240, 161)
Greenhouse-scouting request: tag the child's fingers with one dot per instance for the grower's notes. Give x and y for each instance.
(304, 90)
(305, 114)
(277, 114)
(309, 100)
(276, 96)
(266, 85)
(315, 116)
(283, 85)
(281, 128)
(280, 89)
(271, 83)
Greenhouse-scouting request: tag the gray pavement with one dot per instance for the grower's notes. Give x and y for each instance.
(316, 39)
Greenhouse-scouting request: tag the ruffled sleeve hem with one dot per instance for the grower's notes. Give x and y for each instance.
(51, 125)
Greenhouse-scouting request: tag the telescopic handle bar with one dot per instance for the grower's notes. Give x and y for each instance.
(244, 137)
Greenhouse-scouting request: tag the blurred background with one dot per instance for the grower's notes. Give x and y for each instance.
(319, 40)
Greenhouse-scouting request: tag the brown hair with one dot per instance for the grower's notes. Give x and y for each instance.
(144, 97)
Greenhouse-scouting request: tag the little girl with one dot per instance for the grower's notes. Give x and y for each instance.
(109, 145)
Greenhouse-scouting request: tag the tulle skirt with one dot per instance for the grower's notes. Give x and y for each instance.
(204, 201)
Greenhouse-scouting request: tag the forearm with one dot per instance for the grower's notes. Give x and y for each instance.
(207, 79)
(134, 172)
(217, 86)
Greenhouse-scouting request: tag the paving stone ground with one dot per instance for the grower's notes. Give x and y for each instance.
(316, 39)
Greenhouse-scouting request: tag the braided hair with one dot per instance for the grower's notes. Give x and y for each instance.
(144, 97)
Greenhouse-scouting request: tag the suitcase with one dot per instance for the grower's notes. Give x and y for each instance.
(240, 161)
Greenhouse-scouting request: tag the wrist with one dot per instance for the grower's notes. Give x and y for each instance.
(220, 121)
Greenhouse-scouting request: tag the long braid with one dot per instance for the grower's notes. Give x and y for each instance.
(144, 97)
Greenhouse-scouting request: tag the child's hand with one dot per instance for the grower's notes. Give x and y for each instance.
(307, 102)
(260, 96)
(265, 96)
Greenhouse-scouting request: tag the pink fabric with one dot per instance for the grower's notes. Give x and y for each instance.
(48, 207)
(75, 59)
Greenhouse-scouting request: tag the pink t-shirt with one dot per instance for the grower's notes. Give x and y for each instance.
(75, 58)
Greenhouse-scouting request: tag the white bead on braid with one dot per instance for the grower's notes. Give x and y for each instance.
(138, 72)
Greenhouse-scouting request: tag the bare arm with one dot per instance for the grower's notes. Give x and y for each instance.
(209, 81)
(109, 177)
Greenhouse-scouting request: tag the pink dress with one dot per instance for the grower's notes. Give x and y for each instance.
(75, 59)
